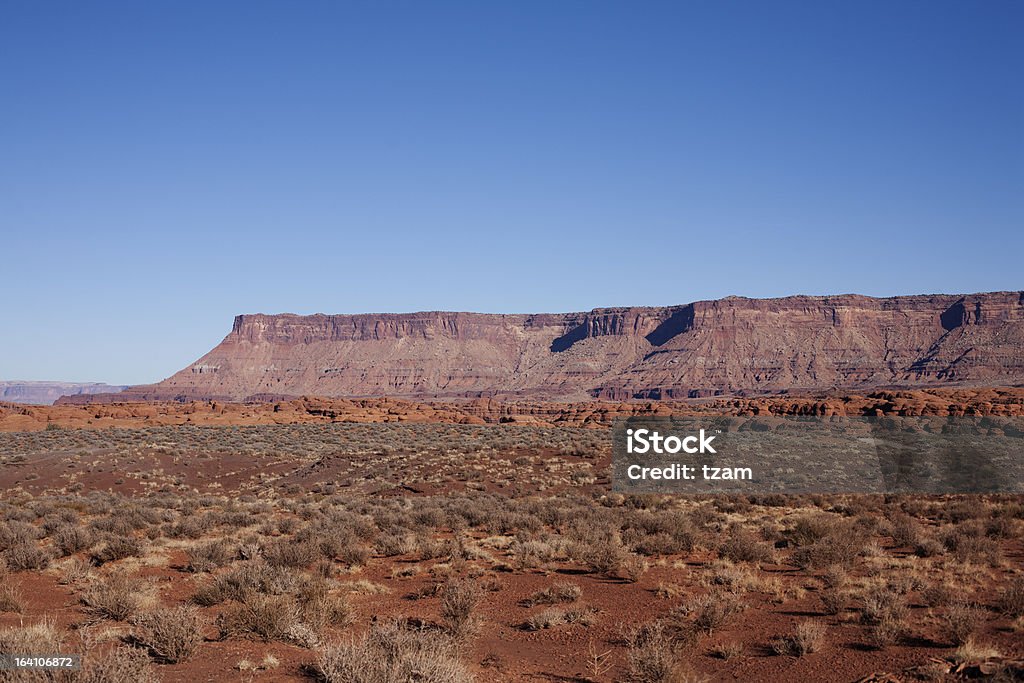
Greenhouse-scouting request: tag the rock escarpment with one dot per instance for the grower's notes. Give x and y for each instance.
(732, 346)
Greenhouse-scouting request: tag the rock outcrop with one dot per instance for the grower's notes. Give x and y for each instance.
(732, 346)
(992, 401)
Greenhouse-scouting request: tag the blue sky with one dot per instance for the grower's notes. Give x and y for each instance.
(167, 165)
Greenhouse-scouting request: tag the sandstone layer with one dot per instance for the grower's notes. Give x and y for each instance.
(732, 346)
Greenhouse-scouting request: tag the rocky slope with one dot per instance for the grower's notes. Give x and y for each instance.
(733, 346)
(45, 393)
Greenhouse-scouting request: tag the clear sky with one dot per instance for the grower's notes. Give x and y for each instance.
(167, 165)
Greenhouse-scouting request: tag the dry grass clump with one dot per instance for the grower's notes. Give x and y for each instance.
(11, 598)
(556, 616)
(972, 651)
(554, 594)
(171, 634)
(809, 637)
(40, 637)
(390, 653)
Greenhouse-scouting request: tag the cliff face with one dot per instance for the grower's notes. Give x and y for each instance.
(707, 348)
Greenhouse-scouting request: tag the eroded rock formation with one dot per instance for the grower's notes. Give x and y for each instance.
(732, 346)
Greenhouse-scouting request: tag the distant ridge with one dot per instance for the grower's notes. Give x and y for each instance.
(732, 346)
(46, 393)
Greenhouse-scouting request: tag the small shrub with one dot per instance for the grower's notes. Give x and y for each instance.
(72, 539)
(121, 665)
(26, 556)
(743, 546)
(633, 567)
(961, 621)
(269, 617)
(209, 556)
(602, 557)
(75, 571)
(293, 554)
(835, 576)
(809, 528)
(833, 601)
(652, 655)
(839, 549)
(1011, 599)
(547, 618)
(392, 653)
(882, 602)
(888, 631)
(117, 548)
(114, 597)
(906, 531)
(319, 608)
(171, 633)
(938, 594)
(458, 604)
(714, 610)
(929, 547)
